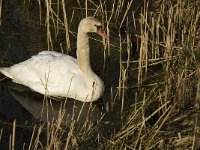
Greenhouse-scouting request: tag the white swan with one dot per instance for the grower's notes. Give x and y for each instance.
(56, 74)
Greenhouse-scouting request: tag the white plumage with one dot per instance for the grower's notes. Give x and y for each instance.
(56, 74)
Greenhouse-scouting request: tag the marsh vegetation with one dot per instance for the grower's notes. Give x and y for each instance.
(150, 67)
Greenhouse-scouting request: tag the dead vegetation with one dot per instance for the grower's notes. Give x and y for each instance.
(157, 49)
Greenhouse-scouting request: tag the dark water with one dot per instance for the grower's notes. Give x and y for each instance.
(29, 108)
(22, 36)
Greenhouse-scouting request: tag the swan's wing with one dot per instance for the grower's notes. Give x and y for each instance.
(45, 66)
(51, 73)
(59, 75)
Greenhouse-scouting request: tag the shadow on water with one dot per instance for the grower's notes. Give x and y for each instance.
(47, 109)
(29, 108)
(11, 110)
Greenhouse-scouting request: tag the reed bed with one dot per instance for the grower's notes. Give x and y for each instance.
(156, 46)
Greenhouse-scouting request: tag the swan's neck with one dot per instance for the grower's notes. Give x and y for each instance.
(83, 52)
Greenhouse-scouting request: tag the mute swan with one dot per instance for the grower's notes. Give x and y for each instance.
(56, 74)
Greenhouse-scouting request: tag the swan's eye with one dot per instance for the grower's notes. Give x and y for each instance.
(98, 26)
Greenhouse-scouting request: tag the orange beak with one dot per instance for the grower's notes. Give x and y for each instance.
(103, 34)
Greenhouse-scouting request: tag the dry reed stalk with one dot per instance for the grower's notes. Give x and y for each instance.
(106, 52)
(154, 61)
(56, 129)
(86, 8)
(157, 37)
(142, 126)
(80, 111)
(121, 67)
(40, 11)
(48, 133)
(45, 108)
(120, 5)
(31, 141)
(37, 139)
(49, 39)
(57, 18)
(70, 136)
(168, 55)
(0, 11)
(112, 13)
(124, 74)
(68, 45)
(13, 135)
(54, 133)
(126, 12)
(143, 52)
(139, 137)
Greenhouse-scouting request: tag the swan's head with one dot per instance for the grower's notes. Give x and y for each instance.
(91, 24)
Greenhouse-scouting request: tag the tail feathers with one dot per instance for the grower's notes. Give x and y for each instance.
(5, 71)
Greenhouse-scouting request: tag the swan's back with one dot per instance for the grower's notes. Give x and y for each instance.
(40, 66)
